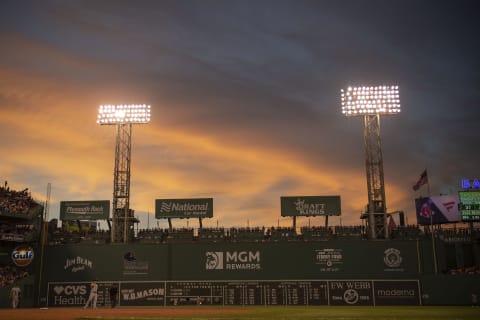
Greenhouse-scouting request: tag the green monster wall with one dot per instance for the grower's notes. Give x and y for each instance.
(235, 261)
(260, 273)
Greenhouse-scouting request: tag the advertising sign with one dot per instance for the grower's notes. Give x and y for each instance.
(437, 209)
(75, 294)
(184, 208)
(358, 293)
(264, 292)
(142, 293)
(396, 293)
(469, 205)
(84, 210)
(310, 206)
(330, 259)
(22, 255)
(471, 183)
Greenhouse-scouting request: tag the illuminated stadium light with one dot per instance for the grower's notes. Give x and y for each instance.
(123, 117)
(360, 101)
(119, 114)
(370, 103)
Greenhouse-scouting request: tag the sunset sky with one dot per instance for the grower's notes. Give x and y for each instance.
(245, 100)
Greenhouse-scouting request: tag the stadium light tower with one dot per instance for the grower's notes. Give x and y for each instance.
(122, 116)
(371, 102)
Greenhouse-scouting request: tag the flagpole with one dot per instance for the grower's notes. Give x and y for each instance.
(435, 266)
(428, 184)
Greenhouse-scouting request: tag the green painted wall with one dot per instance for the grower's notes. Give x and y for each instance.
(235, 261)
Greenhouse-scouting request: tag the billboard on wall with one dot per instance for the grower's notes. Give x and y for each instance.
(75, 294)
(227, 261)
(184, 208)
(310, 206)
(469, 205)
(85, 210)
(437, 209)
(150, 293)
(260, 292)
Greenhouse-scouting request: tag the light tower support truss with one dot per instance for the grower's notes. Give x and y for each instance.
(122, 224)
(375, 178)
(371, 102)
(122, 116)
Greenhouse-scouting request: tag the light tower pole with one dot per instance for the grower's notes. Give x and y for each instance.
(122, 116)
(371, 102)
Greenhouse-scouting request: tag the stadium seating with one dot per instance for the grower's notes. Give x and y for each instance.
(246, 234)
(211, 235)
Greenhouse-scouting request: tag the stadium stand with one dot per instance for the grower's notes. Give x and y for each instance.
(21, 222)
(349, 232)
(179, 235)
(211, 234)
(281, 234)
(409, 232)
(458, 235)
(15, 202)
(246, 234)
(156, 235)
(242, 234)
(20, 215)
(10, 274)
(316, 233)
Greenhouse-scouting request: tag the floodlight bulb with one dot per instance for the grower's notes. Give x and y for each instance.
(122, 114)
(371, 100)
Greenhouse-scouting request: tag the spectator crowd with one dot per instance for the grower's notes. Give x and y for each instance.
(9, 274)
(12, 201)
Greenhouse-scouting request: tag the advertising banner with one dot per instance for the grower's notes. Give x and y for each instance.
(437, 209)
(150, 293)
(17, 262)
(310, 206)
(75, 294)
(263, 292)
(119, 262)
(233, 261)
(396, 293)
(84, 210)
(351, 293)
(184, 208)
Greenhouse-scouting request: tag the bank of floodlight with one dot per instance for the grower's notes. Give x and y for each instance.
(123, 117)
(371, 102)
(119, 114)
(359, 101)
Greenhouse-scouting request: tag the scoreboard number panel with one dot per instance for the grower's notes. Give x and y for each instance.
(469, 205)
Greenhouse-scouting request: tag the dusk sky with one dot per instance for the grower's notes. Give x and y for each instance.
(245, 100)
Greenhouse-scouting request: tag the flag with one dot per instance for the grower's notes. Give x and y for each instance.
(391, 223)
(421, 181)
